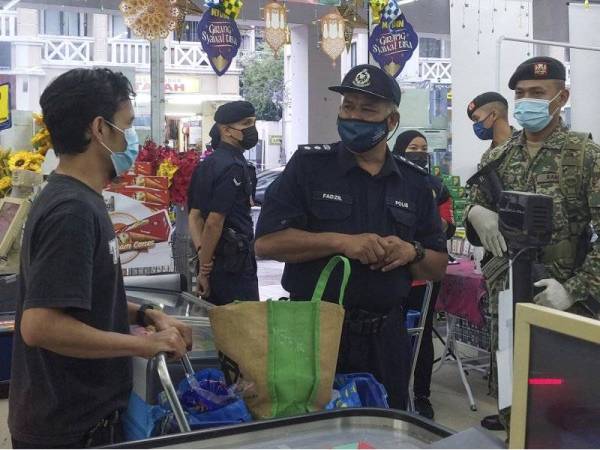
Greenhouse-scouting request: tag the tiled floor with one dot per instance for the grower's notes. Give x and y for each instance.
(448, 394)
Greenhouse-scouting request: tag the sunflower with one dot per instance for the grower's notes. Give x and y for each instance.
(26, 160)
(19, 160)
(5, 183)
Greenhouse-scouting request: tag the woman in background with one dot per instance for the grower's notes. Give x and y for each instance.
(413, 146)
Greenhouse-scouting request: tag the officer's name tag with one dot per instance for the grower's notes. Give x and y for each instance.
(332, 197)
(547, 178)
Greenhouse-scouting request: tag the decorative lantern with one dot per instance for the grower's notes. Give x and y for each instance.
(186, 7)
(150, 19)
(353, 20)
(276, 26)
(332, 35)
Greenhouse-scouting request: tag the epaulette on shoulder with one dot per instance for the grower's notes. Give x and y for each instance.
(410, 164)
(316, 149)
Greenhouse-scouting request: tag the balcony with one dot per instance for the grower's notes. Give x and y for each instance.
(67, 50)
(182, 56)
(436, 70)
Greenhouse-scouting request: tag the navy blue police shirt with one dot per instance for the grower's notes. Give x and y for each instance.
(222, 184)
(322, 189)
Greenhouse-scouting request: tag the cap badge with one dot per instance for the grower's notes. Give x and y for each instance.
(362, 79)
(540, 69)
(471, 106)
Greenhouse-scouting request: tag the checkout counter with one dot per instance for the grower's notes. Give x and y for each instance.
(344, 428)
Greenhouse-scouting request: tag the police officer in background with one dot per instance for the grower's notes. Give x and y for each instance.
(355, 199)
(546, 158)
(220, 199)
(489, 113)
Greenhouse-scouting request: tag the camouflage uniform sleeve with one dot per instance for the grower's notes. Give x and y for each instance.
(586, 280)
(476, 197)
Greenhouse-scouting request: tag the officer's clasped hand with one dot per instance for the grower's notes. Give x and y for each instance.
(554, 296)
(485, 223)
(398, 253)
(365, 247)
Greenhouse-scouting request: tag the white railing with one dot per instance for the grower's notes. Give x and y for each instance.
(8, 24)
(129, 52)
(437, 70)
(187, 54)
(67, 49)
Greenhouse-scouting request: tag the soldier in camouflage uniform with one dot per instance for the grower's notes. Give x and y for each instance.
(545, 158)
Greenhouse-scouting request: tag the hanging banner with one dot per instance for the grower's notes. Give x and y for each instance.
(220, 38)
(5, 117)
(392, 44)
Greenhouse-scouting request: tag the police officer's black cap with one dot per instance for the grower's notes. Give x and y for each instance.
(370, 80)
(484, 99)
(234, 112)
(538, 68)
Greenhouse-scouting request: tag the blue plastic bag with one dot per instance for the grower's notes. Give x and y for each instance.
(347, 397)
(209, 404)
(358, 390)
(140, 418)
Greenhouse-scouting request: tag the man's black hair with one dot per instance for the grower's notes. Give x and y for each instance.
(73, 100)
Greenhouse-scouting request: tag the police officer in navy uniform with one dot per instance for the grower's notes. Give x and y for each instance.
(354, 198)
(220, 198)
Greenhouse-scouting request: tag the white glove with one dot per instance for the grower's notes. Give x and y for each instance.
(485, 223)
(554, 296)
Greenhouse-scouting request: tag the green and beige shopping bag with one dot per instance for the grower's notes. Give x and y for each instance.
(286, 350)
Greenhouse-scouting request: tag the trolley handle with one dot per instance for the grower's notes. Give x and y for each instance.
(171, 393)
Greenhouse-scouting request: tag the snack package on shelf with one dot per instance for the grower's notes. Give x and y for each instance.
(151, 182)
(142, 194)
(143, 234)
(144, 168)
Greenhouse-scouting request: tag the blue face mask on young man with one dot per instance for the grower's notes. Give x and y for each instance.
(533, 114)
(481, 131)
(122, 161)
(360, 136)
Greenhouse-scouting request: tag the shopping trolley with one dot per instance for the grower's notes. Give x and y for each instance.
(416, 335)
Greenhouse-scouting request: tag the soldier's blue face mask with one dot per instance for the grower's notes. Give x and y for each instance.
(360, 136)
(122, 161)
(481, 131)
(534, 114)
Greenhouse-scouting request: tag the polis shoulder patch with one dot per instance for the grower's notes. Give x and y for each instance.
(410, 164)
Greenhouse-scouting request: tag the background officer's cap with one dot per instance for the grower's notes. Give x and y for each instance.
(234, 112)
(538, 68)
(484, 99)
(371, 80)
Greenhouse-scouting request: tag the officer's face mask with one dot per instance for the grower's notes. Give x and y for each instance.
(249, 137)
(534, 114)
(421, 159)
(360, 136)
(122, 161)
(481, 131)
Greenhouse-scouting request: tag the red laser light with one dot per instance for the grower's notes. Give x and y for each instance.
(546, 381)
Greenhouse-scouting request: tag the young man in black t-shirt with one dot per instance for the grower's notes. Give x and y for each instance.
(71, 369)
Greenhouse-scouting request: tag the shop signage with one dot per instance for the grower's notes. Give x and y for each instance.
(174, 84)
(5, 117)
(220, 39)
(275, 140)
(393, 44)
